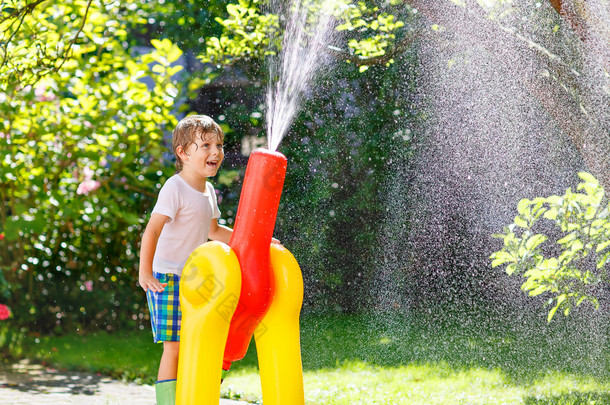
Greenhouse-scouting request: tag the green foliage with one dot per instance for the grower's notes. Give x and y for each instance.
(34, 47)
(11, 341)
(39, 37)
(570, 275)
(249, 34)
(81, 155)
(186, 23)
(373, 28)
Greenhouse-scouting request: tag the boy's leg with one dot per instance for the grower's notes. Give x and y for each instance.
(165, 387)
(168, 367)
(166, 318)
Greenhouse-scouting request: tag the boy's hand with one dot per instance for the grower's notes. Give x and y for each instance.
(148, 282)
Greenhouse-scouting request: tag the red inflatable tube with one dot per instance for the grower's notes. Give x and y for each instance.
(252, 233)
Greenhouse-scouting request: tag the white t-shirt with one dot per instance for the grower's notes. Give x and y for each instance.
(190, 213)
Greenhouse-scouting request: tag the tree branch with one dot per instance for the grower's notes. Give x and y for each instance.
(35, 73)
(67, 53)
(17, 15)
(28, 8)
(10, 38)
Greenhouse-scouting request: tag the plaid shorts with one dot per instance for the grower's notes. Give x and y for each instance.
(165, 314)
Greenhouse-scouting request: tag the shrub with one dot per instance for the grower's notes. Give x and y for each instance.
(575, 263)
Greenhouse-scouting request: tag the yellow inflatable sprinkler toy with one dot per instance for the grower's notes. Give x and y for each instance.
(230, 293)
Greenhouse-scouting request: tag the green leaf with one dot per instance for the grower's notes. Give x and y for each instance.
(172, 90)
(588, 177)
(535, 241)
(568, 238)
(520, 222)
(560, 301)
(550, 263)
(523, 207)
(174, 53)
(234, 10)
(602, 246)
(157, 44)
(500, 258)
(173, 70)
(11, 230)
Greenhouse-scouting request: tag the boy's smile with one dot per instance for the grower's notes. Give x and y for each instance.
(202, 159)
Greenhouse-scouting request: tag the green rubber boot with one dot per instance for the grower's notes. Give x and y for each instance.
(166, 392)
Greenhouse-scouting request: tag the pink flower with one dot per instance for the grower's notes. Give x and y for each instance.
(89, 285)
(41, 94)
(88, 173)
(87, 186)
(4, 312)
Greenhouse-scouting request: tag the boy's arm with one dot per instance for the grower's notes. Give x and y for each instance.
(220, 233)
(147, 252)
(223, 233)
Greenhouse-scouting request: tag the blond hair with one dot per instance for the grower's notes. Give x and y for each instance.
(189, 129)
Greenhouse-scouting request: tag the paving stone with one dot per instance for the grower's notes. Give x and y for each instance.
(27, 383)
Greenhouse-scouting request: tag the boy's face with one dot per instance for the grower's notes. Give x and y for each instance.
(204, 155)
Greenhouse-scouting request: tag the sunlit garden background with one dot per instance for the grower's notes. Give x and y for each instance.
(444, 194)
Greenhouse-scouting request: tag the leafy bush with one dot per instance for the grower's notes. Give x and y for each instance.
(82, 151)
(81, 155)
(570, 269)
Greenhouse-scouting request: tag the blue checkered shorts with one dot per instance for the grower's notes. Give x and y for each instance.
(165, 314)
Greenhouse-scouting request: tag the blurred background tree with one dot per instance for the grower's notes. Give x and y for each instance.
(88, 105)
(90, 92)
(81, 155)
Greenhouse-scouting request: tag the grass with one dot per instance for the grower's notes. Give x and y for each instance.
(422, 358)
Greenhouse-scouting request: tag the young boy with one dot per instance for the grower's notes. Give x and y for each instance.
(184, 217)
